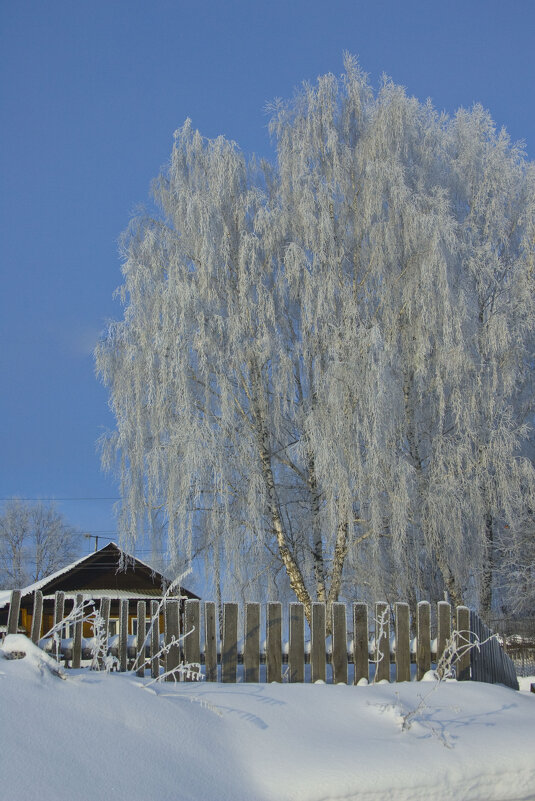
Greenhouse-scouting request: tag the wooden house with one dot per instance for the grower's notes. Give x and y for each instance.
(106, 573)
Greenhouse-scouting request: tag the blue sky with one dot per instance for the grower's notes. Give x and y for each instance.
(90, 94)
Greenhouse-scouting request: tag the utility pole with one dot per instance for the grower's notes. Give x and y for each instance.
(96, 537)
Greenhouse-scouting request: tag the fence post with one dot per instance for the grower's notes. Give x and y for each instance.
(59, 614)
(123, 635)
(443, 627)
(172, 639)
(361, 655)
(192, 644)
(423, 639)
(403, 643)
(14, 610)
(296, 651)
(251, 653)
(382, 642)
(210, 641)
(229, 652)
(104, 612)
(141, 635)
(37, 617)
(154, 639)
(273, 642)
(77, 639)
(317, 644)
(463, 643)
(339, 654)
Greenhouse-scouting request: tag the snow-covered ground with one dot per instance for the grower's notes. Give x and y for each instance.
(99, 736)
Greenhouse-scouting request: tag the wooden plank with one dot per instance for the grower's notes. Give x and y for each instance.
(403, 642)
(210, 642)
(154, 639)
(123, 635)
(37, 616)
(14, 611)
(274, 642)
(251, 654)
(296, 651)
(141, 636)
(59, 609)
(361, 658)
(423, 639)
(443, 627)
(192, 639)
(104, 611)
(339, 635)
(462, 668)
(382, 642)
(473, 637)
(59, 614)
(77, 640)
(172, 639)
(229, 651)
(317, 645)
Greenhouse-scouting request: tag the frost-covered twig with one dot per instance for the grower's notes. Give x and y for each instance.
(381, 633)
(457, 645)
(100, 658)
(191, 671)
(76, 615)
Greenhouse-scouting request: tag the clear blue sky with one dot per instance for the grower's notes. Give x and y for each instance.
(90, 94)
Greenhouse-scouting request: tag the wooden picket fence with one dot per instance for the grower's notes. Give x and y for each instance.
(378, 647)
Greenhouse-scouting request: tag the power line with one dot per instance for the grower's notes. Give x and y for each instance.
(15, 498)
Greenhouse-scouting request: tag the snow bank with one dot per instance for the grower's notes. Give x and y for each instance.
(107, 736)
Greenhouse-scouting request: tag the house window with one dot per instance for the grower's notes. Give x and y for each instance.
(113, 627)
(134, 626)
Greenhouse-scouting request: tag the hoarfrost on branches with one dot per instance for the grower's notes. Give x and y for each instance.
(35, 541)
(321, 378)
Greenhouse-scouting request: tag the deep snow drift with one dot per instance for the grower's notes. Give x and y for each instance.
(109, 736)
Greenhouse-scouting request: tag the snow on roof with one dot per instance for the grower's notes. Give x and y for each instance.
(113, 594)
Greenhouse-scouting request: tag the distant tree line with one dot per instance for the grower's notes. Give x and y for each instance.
(35, 541)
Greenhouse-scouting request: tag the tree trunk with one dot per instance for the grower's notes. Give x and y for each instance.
(485, 590)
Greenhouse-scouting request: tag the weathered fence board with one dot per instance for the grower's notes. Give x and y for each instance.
(339, 650)
(403, 644)
(59, 614)
(443, 627)
(361, 657)
(141, 635)
(77, 640)
(296, 651)
(37, 616)
(154, 639)
(274, 642)
(251, 653)
(192, 641)
(123, 635)
(229, 653)
(382, 642)
(462, 668)
(210, 641)
(317, 643)
(104, 612)
(172, 639)
(14, 611)
(59, 608)
(423, 647)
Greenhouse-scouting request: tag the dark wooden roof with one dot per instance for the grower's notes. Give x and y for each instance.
(102, 570)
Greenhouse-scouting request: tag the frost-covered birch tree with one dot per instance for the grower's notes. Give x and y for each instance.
(320, 378)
